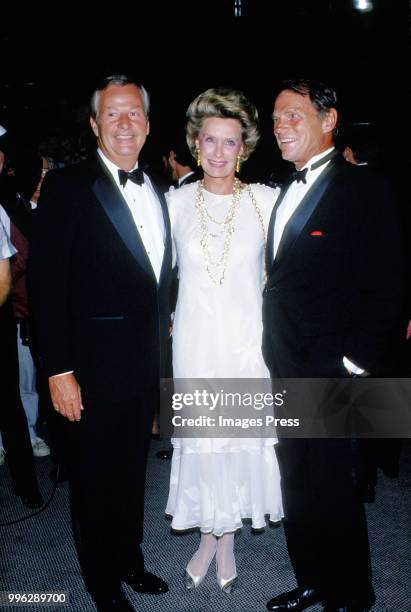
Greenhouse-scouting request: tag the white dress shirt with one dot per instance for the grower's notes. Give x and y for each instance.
(146, 210)
(294, 196)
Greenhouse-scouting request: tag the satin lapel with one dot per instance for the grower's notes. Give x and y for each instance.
(270, 232)
(304, 211)
(167, 258)
(120, 216)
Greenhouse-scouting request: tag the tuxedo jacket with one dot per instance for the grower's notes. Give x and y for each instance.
(334, 289)
(96, 303)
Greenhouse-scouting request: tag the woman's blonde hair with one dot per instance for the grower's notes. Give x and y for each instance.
(226, 104)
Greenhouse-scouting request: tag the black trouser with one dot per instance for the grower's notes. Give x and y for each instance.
(325, 524)
(107, 455)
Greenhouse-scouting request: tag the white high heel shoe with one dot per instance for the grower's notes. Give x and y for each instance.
(192, 582)
(226, 585)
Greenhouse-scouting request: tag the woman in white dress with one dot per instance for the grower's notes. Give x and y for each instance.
(219, 227)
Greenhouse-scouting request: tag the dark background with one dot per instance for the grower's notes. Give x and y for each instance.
(52, 57)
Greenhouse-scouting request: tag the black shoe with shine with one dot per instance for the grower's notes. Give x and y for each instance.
(164, 454)
(146, 582)
(115, 602)
(31, 499)
(297, 599)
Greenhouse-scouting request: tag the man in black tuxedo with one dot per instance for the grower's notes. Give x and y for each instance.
(331, 306)
(100, 266)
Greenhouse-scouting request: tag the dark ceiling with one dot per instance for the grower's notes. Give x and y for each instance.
(51, 59)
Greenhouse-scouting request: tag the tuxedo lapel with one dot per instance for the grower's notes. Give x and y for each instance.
(270, 233)
(120, 216)
(303, 213)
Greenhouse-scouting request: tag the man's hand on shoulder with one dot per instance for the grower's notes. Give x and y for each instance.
(66, 396)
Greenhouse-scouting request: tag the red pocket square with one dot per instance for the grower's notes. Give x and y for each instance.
(316, 233)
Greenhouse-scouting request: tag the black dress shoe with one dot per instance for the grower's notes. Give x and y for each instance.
(116, 602)
(31, 499)
(145, 582)
(164, 454)
(297, 599)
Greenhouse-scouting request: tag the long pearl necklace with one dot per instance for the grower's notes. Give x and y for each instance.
(227, 230)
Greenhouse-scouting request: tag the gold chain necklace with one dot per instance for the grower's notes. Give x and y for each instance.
(227, 230)
(228, 227)
(257, 210)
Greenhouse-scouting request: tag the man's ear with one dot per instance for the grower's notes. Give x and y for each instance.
(148, 128)
(330, 120)
(172, 159)
(94, 126)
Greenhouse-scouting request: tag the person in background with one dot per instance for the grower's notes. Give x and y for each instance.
(28, 171)
(361, 146)
(14, 432)
(181, 164)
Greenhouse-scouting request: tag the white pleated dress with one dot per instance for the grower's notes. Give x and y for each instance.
(217, 333)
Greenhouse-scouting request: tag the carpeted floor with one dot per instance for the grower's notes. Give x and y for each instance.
(37, 555)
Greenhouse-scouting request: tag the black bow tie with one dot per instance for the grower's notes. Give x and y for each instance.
(136, 176)
(299, 176)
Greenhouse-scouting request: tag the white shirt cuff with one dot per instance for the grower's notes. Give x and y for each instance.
(62, 374)
(351, 367)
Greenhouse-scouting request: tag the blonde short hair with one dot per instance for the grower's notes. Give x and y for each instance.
(226, 104)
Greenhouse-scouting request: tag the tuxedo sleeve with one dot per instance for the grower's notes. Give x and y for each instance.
(54, 228)
(377, 272)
